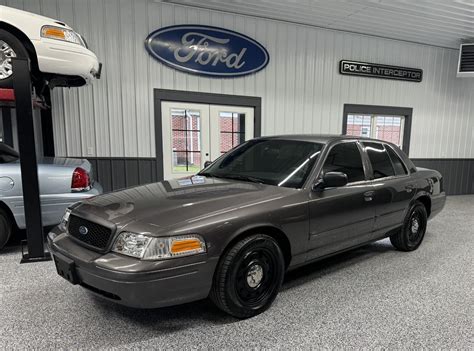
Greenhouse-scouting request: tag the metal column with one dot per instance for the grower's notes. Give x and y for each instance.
(29, 168)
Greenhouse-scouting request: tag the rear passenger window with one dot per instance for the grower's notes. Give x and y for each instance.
(397, 163)
(381, 164)
(345, 158)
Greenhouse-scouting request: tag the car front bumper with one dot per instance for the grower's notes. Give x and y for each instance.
(130, 281)
(66, 59)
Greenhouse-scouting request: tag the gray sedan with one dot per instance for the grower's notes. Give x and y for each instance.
(269, 205)
(63, 181)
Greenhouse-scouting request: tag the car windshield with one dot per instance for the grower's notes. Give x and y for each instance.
(276, 162)
(7, 154)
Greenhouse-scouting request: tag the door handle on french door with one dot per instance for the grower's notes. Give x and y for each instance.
(369, 195)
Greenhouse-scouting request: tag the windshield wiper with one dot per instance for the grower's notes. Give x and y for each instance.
(233, 176)
(207, 174)
(243, 177)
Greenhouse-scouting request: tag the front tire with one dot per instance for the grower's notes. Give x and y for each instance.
(411, 235)
(6, 228)
(249, 276)
(10, 47)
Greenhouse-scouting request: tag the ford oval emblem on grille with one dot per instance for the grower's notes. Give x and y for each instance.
(83, 230)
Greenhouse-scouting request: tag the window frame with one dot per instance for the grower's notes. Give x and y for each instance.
(407, 112)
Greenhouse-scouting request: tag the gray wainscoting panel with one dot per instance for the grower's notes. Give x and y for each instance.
(118, 173)
(458, 174)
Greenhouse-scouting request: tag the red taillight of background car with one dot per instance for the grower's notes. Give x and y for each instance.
(80, 180)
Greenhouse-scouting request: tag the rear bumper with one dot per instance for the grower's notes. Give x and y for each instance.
(66, 59)
(132, 282)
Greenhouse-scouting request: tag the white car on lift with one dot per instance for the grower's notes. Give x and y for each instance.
(59, 56)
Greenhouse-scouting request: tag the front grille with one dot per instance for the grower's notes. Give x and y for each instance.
(94, 234)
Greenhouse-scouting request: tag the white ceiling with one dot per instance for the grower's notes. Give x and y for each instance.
(441, 23)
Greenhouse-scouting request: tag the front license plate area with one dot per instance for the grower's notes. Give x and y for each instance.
(66, 268)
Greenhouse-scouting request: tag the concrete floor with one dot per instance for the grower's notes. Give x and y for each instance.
(373, 297)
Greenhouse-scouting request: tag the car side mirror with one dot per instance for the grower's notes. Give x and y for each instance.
(207, 164)
(331, 180)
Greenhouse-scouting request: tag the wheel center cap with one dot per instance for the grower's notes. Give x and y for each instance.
(414, 225)
(254, 275)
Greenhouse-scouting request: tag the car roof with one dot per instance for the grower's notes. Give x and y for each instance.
(319, 138)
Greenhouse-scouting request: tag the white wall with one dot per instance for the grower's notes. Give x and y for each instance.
(301, 89)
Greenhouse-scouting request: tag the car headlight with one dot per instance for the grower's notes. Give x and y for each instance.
(65, 218)
(52, 32)
(151, 248)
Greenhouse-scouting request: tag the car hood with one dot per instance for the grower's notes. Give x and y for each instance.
(176, 201)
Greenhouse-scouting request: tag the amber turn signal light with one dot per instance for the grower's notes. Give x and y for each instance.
(184, 245)
(53, 32)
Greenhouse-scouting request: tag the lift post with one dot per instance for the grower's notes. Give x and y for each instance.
(28, 163)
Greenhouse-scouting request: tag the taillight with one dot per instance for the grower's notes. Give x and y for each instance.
(80, 180)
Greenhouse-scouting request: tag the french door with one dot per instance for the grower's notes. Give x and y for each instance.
(196, 133)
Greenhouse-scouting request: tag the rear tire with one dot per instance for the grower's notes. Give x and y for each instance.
(10, 46)
(249, 276)
(411, 234)
(6, 228)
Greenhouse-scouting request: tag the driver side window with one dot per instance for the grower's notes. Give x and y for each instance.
(345, 158)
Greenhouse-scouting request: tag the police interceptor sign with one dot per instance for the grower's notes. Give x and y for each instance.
(375, 70)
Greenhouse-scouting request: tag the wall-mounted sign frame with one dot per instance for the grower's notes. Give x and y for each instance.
(375, 70)
(208, 51)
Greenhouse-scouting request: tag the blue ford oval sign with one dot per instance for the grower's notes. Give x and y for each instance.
(206, 50)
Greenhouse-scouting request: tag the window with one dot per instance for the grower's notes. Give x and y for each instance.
(279, 162)
(232, 130)
(386, 128)
(345, 158)
(381, 164)
(396, 161)
(186, 140)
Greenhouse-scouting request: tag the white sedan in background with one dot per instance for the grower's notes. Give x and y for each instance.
(59, 56)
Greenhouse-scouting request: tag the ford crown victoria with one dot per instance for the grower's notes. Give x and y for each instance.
(233, 230)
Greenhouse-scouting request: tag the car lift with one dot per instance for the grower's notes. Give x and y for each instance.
(29, 168)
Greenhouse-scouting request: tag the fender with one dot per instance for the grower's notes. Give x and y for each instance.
(277, 232)
(29, 23)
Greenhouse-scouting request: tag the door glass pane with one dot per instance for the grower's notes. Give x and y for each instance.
(381, 164)
(186, 140)
(389, 128)
(231, 130)
(359, 125)
(396, 161)
(345, 158)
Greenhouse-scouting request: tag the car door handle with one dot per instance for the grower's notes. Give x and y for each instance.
(409, 188)
(369, 195)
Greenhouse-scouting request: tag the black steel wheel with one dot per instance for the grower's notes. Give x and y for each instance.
(6, 228)
(411, 235)
(249, 276)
